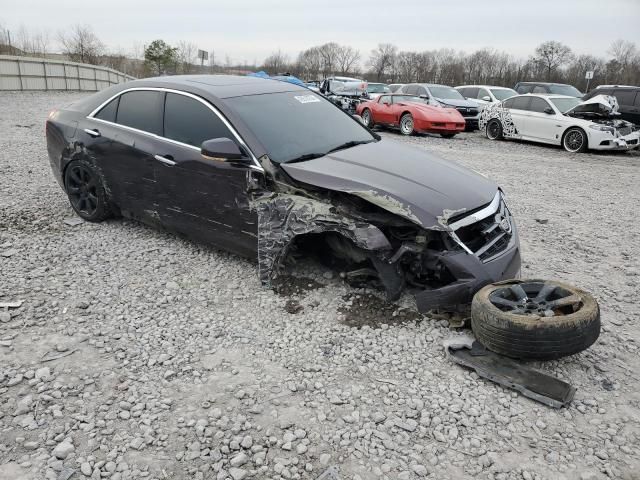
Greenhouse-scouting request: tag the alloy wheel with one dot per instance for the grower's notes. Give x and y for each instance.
(82, 189)
(574, 140)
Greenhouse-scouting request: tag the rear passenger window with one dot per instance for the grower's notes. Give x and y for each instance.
(141, 110)
(539, 89)
(519, 103)
(411, 90)
(108, 112)
(625, 97)
(189, 121)
(471, 93)
(525, 88)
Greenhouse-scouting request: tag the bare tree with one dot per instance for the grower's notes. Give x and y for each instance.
(382, 59)
(186, 53)
(551, 55)
(81, 44)
(277, 62)
(347, 59)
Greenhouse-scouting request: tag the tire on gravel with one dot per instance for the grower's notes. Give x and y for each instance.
(535, 336)
(82, 177)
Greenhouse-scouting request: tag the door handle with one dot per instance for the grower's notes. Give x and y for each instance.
(94, 133)
(165, 160)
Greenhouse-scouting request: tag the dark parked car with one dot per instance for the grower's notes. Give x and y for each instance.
(628, 100)
(546, 87)
(265, 168)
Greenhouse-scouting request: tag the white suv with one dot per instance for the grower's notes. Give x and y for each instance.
(484, 94)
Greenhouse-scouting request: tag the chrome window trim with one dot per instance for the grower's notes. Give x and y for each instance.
(91, 116)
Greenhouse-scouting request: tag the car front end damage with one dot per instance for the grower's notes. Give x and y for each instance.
(374, 240)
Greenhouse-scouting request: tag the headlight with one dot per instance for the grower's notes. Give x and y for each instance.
(602, 128)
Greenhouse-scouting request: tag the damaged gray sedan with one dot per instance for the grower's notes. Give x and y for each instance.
(271, 170)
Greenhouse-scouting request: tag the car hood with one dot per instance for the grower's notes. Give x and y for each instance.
(457, 103)
(433, 111)
(404, 180)
(603, 104)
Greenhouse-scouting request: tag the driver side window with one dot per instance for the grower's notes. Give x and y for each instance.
(187, 120)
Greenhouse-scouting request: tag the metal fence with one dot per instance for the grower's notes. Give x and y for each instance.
(27, 73)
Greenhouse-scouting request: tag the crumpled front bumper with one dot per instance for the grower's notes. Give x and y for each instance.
(605, 141)
(471, 275)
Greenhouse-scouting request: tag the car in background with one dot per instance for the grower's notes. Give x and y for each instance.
(395, 86)
(374, 90)
(188, 154)
(546, 87)
(560, 120)
(345, 92)
(446, 96)
(484, 94)
(411, 114)
(628, 99)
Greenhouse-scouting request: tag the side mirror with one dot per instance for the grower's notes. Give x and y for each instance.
(549, 111)
(486, 98)
(221, 149)
(359, 118)
(426, 97)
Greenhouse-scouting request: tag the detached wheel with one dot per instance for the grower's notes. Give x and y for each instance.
(493, 130)
(86, 191)
(367, 118)
(536, 319)
(574, 140)
(447, 135)
(406, 124)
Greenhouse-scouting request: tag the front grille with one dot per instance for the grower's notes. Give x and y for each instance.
(489, 236)
(624, 131)
(467, 112)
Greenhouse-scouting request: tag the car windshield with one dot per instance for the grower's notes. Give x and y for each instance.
(446, 92)
(565, 90)
(565, 104)
(377, 88)
(297, 125)
(409, 98)
(503, 93)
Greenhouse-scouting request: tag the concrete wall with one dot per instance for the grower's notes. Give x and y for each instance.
(27, 73)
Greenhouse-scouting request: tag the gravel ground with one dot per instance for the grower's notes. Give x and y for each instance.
(175, 363)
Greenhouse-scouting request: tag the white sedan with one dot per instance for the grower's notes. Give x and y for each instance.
(560, 120)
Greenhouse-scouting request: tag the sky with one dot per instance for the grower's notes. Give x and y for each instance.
(250, 30)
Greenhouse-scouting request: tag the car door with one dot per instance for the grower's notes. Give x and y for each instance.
(128, 127)
(385, 110)
(517, 107)
(200, 197)
(542, 125)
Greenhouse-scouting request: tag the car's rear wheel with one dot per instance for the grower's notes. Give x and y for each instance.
(367, 118)
(447, 135)
(574, 140)
(493, 130)
(86, 192)
(406, 124)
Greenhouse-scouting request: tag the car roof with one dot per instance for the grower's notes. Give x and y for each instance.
(220, 86)
(542, 83)
(485, 86)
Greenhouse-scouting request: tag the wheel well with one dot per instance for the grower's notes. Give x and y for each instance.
(571, 128)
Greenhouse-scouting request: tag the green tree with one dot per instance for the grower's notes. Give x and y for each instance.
(160, 56)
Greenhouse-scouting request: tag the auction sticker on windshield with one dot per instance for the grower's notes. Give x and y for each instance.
(306, 98)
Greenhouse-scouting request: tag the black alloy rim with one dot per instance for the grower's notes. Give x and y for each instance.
(493, 129)
(574, 140)
(536, 298)
(82, 189)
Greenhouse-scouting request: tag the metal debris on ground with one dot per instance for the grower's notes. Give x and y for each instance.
(55, 355)
(14, 304)
(73, 221)
(539, 386)
(331, 473)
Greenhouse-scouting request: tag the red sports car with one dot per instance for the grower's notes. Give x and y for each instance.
(411, 114)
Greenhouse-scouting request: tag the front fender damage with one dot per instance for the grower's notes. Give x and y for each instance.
(282, 217)
(399, 254)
